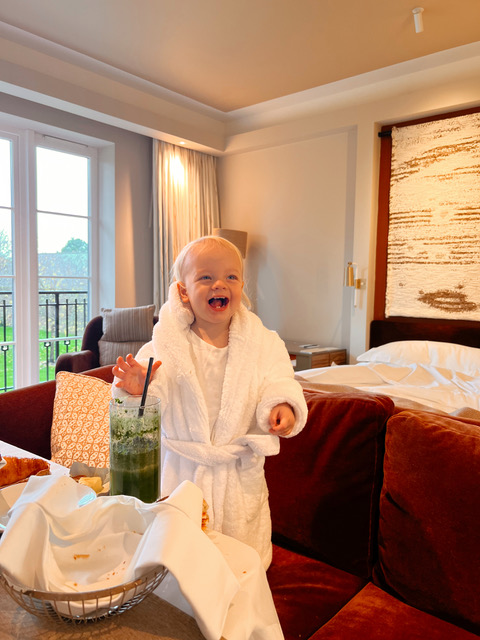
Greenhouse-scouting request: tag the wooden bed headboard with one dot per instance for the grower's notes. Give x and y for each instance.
(463, 332)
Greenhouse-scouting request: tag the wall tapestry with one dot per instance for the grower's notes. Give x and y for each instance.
(433, 264)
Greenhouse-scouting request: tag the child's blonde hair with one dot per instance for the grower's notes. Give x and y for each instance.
(177, 273)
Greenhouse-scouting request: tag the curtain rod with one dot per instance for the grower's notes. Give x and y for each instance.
(384, 134)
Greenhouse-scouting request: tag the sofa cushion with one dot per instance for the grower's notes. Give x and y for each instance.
(80, 426)
(429, 533)
(325, 483)
(376, 615)
(110, 351)
(129, 324)
(307, 592)
(125, 330)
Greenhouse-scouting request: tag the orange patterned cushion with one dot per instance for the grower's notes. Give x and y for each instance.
(80, 427)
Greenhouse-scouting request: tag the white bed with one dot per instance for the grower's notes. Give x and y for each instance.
(418, 374)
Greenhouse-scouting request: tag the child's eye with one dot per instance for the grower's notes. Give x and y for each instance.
(232, 277)
(204, 277)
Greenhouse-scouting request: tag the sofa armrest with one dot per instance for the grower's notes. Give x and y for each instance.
(325, 483)
(77, 362)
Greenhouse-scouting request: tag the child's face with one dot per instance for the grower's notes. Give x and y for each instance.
(213, 283)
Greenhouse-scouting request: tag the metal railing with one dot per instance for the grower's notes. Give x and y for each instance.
(63, 316)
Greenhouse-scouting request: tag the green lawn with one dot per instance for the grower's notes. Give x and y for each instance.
(44, 373)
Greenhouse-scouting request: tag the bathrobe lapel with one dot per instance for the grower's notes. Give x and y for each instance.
(236, 397)
(171, 342)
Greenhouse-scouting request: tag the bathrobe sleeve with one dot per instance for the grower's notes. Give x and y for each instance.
(279, 384)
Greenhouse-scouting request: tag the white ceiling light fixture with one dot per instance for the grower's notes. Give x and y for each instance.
(418, 19)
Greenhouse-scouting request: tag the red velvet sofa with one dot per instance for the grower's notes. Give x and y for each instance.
(375, 516)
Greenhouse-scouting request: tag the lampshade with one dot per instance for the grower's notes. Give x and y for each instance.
(238, 238)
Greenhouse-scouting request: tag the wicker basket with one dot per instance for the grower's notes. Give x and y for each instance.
(88, 606)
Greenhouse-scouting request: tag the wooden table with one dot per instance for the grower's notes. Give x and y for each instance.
(157, 617)
(151, 619)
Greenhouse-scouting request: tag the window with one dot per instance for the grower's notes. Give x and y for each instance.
(48, 240)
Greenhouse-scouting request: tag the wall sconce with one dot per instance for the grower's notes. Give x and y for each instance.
(238, 238)
(350, 274)
(418, 19)
(351, 279)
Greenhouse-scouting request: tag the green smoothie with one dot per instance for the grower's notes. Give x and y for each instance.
(135, 448)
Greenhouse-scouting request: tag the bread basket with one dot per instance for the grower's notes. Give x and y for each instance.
(91, 606)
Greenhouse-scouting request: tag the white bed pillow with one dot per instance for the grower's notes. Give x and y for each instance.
(403, 352)
(445, 355)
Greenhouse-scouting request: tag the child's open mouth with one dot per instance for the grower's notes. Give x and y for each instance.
(218, 303)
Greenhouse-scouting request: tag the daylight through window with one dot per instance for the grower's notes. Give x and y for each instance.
(47, 234)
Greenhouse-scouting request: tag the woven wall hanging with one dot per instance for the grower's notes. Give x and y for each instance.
(433, 264)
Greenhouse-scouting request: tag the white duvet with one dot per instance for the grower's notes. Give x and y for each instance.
(438, 388)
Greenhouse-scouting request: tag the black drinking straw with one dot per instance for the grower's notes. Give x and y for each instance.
(145, 388)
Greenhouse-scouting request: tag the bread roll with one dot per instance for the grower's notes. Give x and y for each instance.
(18, 469)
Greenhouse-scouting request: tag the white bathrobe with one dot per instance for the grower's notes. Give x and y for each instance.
(226, 464)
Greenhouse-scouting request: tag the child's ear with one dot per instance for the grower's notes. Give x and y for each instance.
(182, 292)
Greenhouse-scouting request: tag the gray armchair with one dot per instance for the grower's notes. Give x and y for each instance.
(114, 333)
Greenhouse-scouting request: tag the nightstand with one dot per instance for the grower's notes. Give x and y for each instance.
(310, 356)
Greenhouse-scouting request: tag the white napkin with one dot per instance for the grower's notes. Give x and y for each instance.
(252, 613)
(61, 538)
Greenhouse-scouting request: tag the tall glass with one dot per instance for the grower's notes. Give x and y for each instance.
(135, 448)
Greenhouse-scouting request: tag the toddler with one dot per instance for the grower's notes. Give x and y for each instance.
(227, 390)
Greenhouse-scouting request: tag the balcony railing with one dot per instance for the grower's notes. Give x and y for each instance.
(62, 319)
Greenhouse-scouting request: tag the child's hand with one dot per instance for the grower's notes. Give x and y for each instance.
(132, 374)
(282, 420)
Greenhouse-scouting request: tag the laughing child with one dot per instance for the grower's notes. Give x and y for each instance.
(227, 390)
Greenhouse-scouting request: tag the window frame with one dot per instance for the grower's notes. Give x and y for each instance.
(24, 233)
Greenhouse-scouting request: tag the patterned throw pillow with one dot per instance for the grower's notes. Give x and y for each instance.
(80, 427)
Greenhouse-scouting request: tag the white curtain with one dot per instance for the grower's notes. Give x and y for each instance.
(185, 206)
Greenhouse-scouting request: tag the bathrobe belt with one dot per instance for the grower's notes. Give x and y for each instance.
(246, 449)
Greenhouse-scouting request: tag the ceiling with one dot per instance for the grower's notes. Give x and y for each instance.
(230, 54)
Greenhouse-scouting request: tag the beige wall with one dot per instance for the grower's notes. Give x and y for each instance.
(296, 204)
(305, 189)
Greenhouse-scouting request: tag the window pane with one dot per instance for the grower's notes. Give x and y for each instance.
(6, 263)
(6, 309)
(6, 335)
(7, 367)
(62, 182)
(63, 232)
(78, 287)
(62, 315)
(5, 173)
(62, 245)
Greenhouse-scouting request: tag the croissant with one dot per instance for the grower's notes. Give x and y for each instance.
(18, 469)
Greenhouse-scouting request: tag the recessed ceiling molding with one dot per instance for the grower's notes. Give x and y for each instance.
(39, 70)
(47, 47)
(58, 83)
(344, 93)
